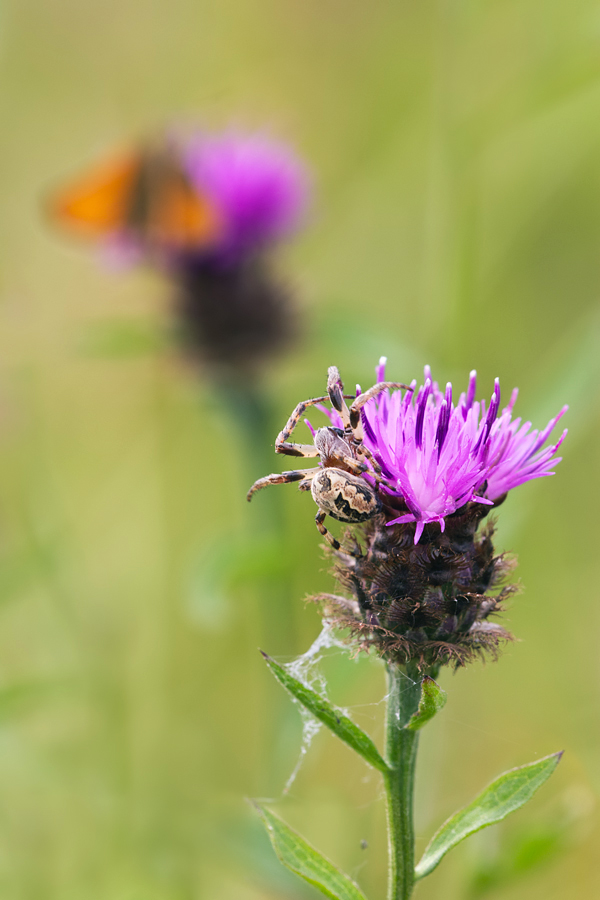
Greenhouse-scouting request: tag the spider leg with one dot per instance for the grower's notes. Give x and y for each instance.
(358, 468)
(319, 519)
(281, 441)
(290, 449)
(359, 402)
(383, 481)
(353, 465)
(364, 451)
(335, 389)
(361, 468)
(305, 475)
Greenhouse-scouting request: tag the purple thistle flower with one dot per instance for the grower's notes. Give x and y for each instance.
(258, 186)
(436, 456)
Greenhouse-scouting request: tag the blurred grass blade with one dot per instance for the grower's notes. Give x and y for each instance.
(326, 713)
(433, 698)
(508, 792)
(295, 853)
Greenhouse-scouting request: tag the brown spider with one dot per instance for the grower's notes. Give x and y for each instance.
(337, 485)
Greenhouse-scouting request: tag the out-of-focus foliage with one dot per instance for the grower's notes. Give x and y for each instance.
(512, 857)
(457, 152)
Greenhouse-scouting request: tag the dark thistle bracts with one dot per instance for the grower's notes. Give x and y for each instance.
(427, 604)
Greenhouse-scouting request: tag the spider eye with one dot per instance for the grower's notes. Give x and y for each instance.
(338, 431)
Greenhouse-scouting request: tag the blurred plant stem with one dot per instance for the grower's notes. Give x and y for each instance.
(404, 692)
(252, 419)
(250, 410)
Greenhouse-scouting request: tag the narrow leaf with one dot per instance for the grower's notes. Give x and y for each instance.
(433, 698)
(326, 713)
(298, 855)
(508, 792)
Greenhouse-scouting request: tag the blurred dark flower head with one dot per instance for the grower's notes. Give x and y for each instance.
(235, 317)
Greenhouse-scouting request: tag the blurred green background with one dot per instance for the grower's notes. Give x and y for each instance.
(456, 152)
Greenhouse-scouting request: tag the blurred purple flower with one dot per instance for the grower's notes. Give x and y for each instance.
(205, 210)
(258, 186)
(436, 456)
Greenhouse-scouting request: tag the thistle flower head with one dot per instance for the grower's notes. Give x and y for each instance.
(437, 456)
(423, 577)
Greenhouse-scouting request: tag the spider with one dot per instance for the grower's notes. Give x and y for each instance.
(337, 485)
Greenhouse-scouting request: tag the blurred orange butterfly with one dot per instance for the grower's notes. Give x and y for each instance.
(144, 193)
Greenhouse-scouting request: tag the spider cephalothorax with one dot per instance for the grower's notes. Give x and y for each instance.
(338, 486)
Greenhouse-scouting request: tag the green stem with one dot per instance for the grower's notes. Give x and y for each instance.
(404, 692)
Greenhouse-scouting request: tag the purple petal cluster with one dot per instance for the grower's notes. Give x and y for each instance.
(258, 186)
(437, 455)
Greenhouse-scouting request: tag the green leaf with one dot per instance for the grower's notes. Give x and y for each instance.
(326, 713)
(433, 698)
(508, 792)
(295, 853)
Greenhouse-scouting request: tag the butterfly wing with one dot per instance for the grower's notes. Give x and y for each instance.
(145, 193)
(177, 216)
(97, 205)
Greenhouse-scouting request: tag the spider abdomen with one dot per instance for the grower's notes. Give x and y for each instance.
(348, 498)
